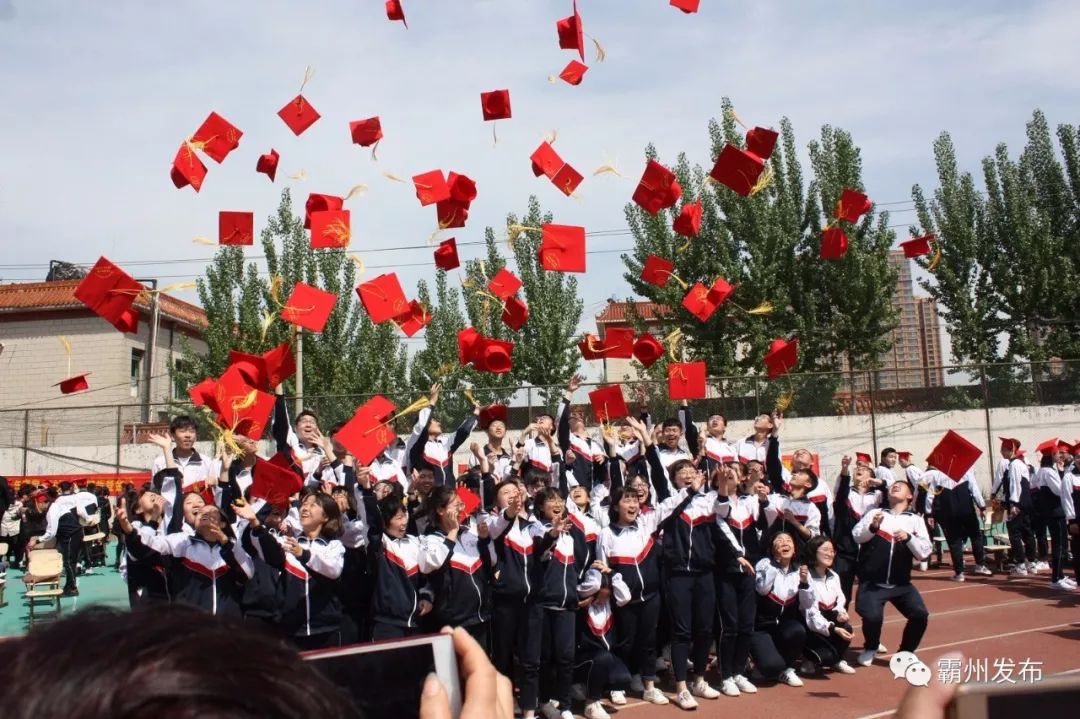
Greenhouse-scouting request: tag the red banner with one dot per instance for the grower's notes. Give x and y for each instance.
(113, 480)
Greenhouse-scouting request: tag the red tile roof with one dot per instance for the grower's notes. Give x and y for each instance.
(60, 295)
(618, 312)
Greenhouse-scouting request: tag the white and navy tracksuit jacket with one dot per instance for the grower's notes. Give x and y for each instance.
(516, 544)
(307, 589)
(596, 622)
(1051, 493)
(884, 560)
(1013, 479)
(952, 504)
(437, 453)
(850, 507)
(778, 592)
(461, 582)
(633, 552)
(822, 602)
(747, 521)
(193, 473)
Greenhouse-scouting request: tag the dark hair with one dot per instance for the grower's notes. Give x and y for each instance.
(545, 415)
(396, 490)
(887, 451)
(169, 661)
(675, 467)
(181, 421)
(716, 414)
(331, 529)
(307, 413)
(504, 483)
(1047, 459)
(810, 550)
(615, 497)
(389, 506)
(91, 487)
(671, 422)
(545, 495)
(439, 498)
(812, 475)
(782, 533)
(66, 486)
(535, 475)
(335, 429)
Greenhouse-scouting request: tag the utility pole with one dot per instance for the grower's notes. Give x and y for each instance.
(148, 359)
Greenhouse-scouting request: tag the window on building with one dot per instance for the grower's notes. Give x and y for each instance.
(178, 388)
(136, 371)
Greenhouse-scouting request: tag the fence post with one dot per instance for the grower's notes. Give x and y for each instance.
(528, 400)
(119, 428)
(870, 381)
(25, 439)
(986, 416)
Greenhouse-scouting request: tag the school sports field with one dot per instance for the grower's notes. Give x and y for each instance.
(1001, 622)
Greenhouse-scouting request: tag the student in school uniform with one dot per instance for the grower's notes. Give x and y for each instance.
(1014, 482)
(718, 450)
(779, 633)
(855, 496)
(388, 467)
(181, 463)
(756, 446)
(64, 522)
(821, 495)
(596, 662)
(795, 513)
(429, 448)
(893, 539)
(538, 446)
(147, 578)
(501, 462)
(304, 443)
(824, 607)
(957, 507)
(1071, 483)
(885, 469)
(588, 456)
(1052, 501)
(354, 584)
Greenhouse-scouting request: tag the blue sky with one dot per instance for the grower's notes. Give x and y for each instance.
(98, 95)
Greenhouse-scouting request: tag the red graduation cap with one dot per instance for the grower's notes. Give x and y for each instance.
(492, 413)
(394, 12)
(462, 188)
(571, 33)
(686, 380)
(852, 205)
(618, 343)
(905, 456)
(1064, 446)
(320, 203)
(495, 104)
(308, 307)
(251, 367)
(275, 480)
(545, 161)
(699, 302)
(74, 384)
(451, 214)
(761, 141)
(954, 455)
(267, 164)
(202, 394)
(657, 270)
(567, 179)
(280, 364)
(466, 340)
(236, 228)
(470, 502)
(720, 291)
(383, 297)
(573, 72)
(252, 421)
(413, 319)
(647, 349)
(366, 133)
(446, 257)
(864, 458)
(239, 406)
(1050, 446)
(591, 347)
(187, 168)
(217, 137)
(330, 228)
(515, 313)
(737, 169)
(657, 189)
(491, 355)
(298, 114)
(687, 6)
(431, 187)
(688, 223)
(504, 284)
(366, 435)
(110, 293)
(782, 357)
(1010, 443)
(917, 246)
(834, 243)
(562, 248)
(608, 404)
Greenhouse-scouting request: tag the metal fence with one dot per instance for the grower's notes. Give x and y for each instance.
(836, 411)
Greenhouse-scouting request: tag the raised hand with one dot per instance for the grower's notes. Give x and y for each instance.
(433, 395)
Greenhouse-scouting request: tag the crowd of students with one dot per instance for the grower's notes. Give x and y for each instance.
(588, 563)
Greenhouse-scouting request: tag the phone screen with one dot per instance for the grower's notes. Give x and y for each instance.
(1055, 702)
(382, 683)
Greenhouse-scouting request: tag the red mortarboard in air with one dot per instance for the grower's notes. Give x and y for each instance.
(110, 293)
(462, 188)
(383, 297)
(562, 248)
(74, 384)
(490, 355)
(275, 480)
(687, 6)
(515, 313)
(268, 163)
(782, 357)
(217, 137)
(852, 205)
(280, 364)
(954, 455)
(236, 228)
(737, 169)
(686, 380)
(202, 394)
(647, 349)
(330, 228)
(366, 132)
(657, 189)
(239, 406)
(834, 243)
(567, 179)
(394, 11)
(657, 271)
(571, 33)
(688, 223)
(251, 367)
(917, 246)
(492, 413)
(573, 72)
(591, 347)
(700, 302)
(298, 114)
(320, 203)
(608, 404)
(187, 168)
(720, 291)
(466, 340)
(618, 343)
(864, 458)
(504, 284)
(366, 435)
(545, 161)
(761, 141)
(431, 187)
(446, 257)
(495, 104)
(308, 307)
(1048, 447)
(414, 319)
(451, 214)
(470, 502)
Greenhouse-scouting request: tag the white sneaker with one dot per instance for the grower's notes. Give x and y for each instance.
(744, 685)
(982, 570)
(1042, 567)
(1020, 570)
(789, 677)
(882, 649)
(728, 688)
(618, 698)
(685, 701)
(550, 710)
(594, 711)
(701, 688)
(957, 577)
(654, 696)
(567, 714)
(866, 658)
(844, 668)
(577, 692)
(1070, 582)
(636, 685)
(1031, 568)
(924, 566)
(1062, 584)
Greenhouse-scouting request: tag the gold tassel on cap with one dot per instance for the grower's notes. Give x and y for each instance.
(601, 55)
(764, 180)
(392, 176)
(177, 286)
(301, 176)
(936, 258)
(673, 340)
(67, 351)
(359, 262)
(354, 191)
(469, 396)
(203, 241)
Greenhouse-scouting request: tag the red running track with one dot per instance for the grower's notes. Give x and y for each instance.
(985, 618)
